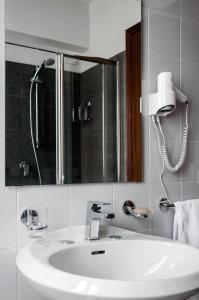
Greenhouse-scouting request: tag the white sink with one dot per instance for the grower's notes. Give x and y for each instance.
(133, 267)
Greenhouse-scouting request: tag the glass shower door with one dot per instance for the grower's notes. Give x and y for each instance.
(89, 112)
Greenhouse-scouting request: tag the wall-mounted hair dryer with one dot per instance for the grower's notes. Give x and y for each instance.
(163, 102)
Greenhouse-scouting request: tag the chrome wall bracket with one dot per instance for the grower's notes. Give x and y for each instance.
(139, 213)
(35, 220)
(25, 167)
(165, 205)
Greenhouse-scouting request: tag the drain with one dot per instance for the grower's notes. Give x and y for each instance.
(115, 237)
(67, 242)
(98, 252)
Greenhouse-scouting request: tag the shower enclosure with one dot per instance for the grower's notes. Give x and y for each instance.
(63, 118)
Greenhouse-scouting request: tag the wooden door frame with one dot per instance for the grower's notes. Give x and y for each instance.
(133, 94)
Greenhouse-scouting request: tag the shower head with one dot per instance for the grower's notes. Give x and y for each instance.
(48, 62)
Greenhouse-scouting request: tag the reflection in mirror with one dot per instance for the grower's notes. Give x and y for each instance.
(91, 99)
(72, 92)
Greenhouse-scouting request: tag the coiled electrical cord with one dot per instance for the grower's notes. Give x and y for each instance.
(163, 150)
(176, 168)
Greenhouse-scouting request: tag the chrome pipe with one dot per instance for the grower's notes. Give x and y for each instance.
(60, 145)
(165, 204)
(118, 120)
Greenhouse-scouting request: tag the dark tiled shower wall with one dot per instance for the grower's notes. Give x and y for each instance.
(72, 129)
(18, 138)
(91, 132)
(83, 143)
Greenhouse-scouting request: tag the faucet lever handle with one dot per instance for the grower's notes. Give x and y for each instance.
(97, 206)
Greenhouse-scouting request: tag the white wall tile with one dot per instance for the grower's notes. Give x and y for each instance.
(190, 42)
(139, 194)
(8, 218)
(166, 7)
(55, 198)
(145, 128)
(8, 275)
(26, 291)
(190, 171)
(155, 161)
(190, 9)
(190, 69)
(2, 21)
(163, 231)
(190, 190)
(81, 194)
(164, 34)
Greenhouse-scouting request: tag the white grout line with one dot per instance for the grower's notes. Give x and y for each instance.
(8, 249)
(180, 89)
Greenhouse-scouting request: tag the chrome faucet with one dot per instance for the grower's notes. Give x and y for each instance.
(93, 217)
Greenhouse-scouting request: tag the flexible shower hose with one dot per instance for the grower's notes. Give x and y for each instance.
(31, 132)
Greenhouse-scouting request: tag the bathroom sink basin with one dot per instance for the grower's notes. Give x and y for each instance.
(121, 265)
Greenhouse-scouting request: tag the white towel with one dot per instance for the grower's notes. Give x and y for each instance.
(186, 222)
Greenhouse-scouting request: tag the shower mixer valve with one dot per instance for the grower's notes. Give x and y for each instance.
(25, 167)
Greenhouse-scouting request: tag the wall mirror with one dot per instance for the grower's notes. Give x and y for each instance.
(73, 84)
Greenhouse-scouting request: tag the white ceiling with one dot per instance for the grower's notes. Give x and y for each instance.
(84, 1)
